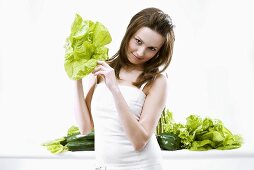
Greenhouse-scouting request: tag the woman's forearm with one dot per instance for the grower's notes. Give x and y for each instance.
(81, 111)
(134, 130)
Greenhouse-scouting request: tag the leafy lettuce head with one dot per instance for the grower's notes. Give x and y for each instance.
(84, 46)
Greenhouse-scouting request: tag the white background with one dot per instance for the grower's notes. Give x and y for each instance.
(211, 73)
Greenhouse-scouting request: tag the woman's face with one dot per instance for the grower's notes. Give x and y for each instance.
(144, 45)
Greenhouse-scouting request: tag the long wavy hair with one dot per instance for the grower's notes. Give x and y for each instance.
(158, 21)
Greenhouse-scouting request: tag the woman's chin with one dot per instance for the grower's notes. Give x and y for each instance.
(133, 61)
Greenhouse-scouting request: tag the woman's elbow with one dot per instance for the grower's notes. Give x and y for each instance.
(85, 130)
(140, 146)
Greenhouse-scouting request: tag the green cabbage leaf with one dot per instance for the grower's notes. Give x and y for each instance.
(84, 47)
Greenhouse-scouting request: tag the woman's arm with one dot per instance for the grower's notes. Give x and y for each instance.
(82, 105)
(139, 132)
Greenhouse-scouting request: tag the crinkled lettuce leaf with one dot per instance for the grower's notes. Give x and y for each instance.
(84, 47)
(199, 134)
(214, 135)
(56, 146)
(73, 130)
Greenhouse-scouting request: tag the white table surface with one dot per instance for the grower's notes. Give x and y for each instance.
(36, 151)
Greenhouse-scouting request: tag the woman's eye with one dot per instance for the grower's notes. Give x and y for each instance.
(138, 41)
(153, 49)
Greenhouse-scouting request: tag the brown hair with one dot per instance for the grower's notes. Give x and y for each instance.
(158, 21)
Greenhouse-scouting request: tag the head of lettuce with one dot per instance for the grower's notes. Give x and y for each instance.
(84, 46)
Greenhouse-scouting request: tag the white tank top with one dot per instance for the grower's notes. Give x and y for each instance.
(112, 147)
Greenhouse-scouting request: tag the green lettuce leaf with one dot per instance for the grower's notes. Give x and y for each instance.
(199, 134)
(73, 130)
(56, 146)
(84, 47)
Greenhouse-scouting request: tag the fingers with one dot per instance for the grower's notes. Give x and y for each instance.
(99, 70)
(103, 63)
(100, 67)
(99, 73)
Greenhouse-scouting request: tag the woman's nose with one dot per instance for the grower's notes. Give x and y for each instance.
(141, 51)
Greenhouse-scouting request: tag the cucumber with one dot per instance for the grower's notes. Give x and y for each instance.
(79, 137)
(80, 145)
(63, 142)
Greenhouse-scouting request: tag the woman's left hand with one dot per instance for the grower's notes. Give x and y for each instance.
(108, 73)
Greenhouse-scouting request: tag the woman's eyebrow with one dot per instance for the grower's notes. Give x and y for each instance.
(144, 42)
(139, 38)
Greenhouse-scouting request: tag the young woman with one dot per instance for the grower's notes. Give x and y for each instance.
(127, 94)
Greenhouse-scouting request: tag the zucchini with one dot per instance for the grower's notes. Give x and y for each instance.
(79, 137)
(64, 141)
(80, 145)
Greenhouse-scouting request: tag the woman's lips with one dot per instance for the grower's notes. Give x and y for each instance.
(138, 58)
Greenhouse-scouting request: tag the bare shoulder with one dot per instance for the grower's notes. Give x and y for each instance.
(159, 84)
(161, 79)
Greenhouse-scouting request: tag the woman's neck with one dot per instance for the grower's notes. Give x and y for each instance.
(130, 75)
(133, 68)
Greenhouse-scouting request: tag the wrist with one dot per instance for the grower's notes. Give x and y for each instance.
(115, 90)
(78, 81)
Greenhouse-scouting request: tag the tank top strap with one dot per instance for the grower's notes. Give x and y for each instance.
(143, 85)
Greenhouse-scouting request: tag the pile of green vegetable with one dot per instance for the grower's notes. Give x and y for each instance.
(84, 47)
(74, 141)
(197, 134)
